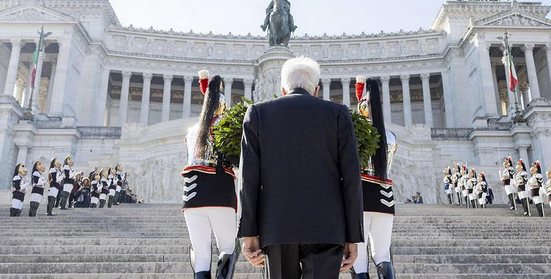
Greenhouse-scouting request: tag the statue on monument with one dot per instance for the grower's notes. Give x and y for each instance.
(279, 22)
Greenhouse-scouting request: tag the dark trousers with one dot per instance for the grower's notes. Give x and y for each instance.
(311, 261)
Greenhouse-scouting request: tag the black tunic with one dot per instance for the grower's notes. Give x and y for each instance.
(377, 195)
(205, 187)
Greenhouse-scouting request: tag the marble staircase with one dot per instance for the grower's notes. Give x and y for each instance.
(148, 241)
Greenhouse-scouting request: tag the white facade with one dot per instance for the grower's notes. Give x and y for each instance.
(111, 94)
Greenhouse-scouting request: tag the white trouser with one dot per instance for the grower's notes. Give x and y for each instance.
(510, 189)
(17, 204)
(102, 196)
(537, 199)
(52, 192)
(378, 228)
(35, 197)
(523, 195)
(458, 189)
(482, 200)
(94, 200)
(473, 196)
(112, 192)
(118, 188)
(449, 191)
(67, 187)
(200, 222)
(465, 193)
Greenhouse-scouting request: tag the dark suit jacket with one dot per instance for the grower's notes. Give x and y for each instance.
(300, 173)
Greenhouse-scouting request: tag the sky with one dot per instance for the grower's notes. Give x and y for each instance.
(313, 17)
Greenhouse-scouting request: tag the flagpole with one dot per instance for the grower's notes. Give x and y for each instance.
(518, 116)
(36, 63)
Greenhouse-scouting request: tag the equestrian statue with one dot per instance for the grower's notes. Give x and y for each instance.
(279, 22)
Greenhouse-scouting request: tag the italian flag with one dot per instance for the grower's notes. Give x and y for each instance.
(513, 80)
(35, 58)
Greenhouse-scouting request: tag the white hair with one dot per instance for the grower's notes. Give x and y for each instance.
(300, 72)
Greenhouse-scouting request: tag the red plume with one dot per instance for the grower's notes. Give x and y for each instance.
(203, 81)
(360, 86)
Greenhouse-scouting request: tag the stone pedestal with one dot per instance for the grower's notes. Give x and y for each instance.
(268, 67)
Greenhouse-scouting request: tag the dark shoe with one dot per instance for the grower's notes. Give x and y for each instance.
(202, 275)
(17, 212)
(63, 208)
(226, 266)
(385, 270)
(51, 214)
(359, 275)
(539, 207)
(12, 212)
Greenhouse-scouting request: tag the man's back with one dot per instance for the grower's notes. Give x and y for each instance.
(306, 147)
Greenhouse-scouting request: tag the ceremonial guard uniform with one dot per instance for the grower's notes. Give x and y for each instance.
(507, 175)
(113, 180)
(471, 183)
(104, 188)
(69, 181)
(55, 179)
(481, 190)
(463, 185)
(210, 199)
(120, 179)
(548, 186)
(19, 188)
(535, 184)
(456, 177)
(521, 178)
(39, 183)
(378, 197)
(448, 184)
(95, 191)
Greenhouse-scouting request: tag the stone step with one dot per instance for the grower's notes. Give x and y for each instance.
(184, 258)
(243, 267)
(259, 276)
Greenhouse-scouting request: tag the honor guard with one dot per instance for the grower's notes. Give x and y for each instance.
(95, 190)
(120, 179)
(378, 196)
(463, 185)
(521, 178)
(104, 188)
(548, 186)
(455, 182)
(481, 190)
(535, 184)
(448, 187)
(471, 183)
(507, 175)
(209, 198)
(55, 177)
(68, 182)
(19, 188)
(113, 181)
(39, 183)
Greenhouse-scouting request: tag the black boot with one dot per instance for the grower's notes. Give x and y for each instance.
(12, 212)
(385, 270)
(511, 202)
(63, 202)
(473, 204)
(226, 266)
(466, 202)
(101, 203)
(17, 212)
(525, 207)
(202, 275)
(94, 205)
(34, 209)
(110, 202)
(355, 275)
(450, 198)
(458, 199)
(539, 207)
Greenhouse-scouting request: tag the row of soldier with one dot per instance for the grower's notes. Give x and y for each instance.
(473, 191)
(65, 185)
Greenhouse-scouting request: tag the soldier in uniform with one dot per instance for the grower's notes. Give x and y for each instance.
(210, 199)
(19, 188)
(471, 183)
(39, 183)
(456, 177)
(463, 183)
(378, 196)
(104, 188)
(548, 186)
(481, 190)
(521, 178)
(507, 175)
(448, 184)
(535, 184)
(68, 182)
(55, 177)
(95, 190)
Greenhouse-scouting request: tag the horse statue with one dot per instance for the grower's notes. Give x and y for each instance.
(279, 22)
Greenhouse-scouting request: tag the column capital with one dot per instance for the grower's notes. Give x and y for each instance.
(248, 82)
(326, 81)
(385, 79)
(425, 77)
(188, 79)
(147, 76)
(228, 80)
(17, 42)
(405, 78)
(168, 78)
(528, 48)
(126, 74)
(345, 80)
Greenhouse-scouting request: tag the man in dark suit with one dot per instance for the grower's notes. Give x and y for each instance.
(301, 190)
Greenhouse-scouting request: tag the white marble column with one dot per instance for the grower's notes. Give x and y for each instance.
(448, 101)
(167, 92)
(326, 83)
(100, 117)
(21, 85)
(346, 91)
(62, 70)
(532, 73)
(548, 54)
(227, 90)
(35, 107)
(489, 100)
(13, 67)
(496, 87)
(248, 88)
(51, 87)
(125, 91)
(427, 101)
(387, 112)
(188, 82)
(146, 95)
(406, 100)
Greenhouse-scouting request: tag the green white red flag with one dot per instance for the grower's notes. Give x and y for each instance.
(35, 57)
(513, 80)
